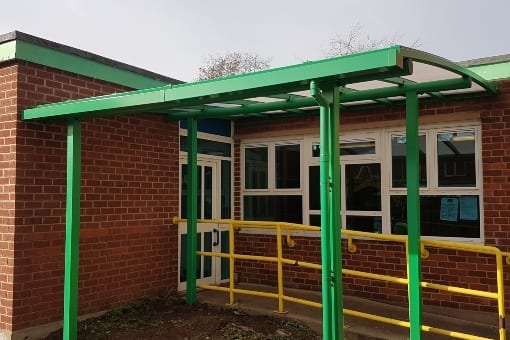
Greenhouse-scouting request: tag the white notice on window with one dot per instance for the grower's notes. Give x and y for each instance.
(449, 209)
(468, 208)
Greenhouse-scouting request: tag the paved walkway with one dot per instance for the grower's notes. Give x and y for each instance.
(476, 323)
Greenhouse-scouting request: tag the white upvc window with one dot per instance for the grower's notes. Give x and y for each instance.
(272, 181)
(280, 181)
(450, 182)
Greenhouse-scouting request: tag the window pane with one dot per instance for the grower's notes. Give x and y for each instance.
(288, 166)
(350, 148)
(255, 175)
(447, 216)
(314, 201)
(316, 150)
(273, 208)
(226, 189)
(398, 161)
(208, 192)
(207, 259)
(314, 190)
(370, 224)
(207, 147)
(184, 191)
(315, 220)
(456, 159)
(357, 148)
(363, 187)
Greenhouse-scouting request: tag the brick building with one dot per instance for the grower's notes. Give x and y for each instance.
(133, 182)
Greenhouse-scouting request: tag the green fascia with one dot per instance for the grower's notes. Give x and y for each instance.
(85, 108)
(492, 71)
(26, 51)
(386, 62)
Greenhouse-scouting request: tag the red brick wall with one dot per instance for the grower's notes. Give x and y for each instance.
(129, 194)
(7, 189)
(443, 266)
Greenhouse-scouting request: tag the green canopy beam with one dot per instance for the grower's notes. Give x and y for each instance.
(395, 91)
(345, 97)
(247, 109)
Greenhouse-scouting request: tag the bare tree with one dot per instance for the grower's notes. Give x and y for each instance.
(356, 41)
(231, 63)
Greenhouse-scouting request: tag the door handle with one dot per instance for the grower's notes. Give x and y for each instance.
(217, 235)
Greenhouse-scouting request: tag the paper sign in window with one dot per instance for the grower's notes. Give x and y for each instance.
(469, 208)
(449, 209)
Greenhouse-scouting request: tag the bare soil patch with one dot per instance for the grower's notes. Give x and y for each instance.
(172, 318)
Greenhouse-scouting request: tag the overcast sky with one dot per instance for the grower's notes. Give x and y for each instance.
(173, 37)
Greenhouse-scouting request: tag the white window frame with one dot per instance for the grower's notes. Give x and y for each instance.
(432, 188)
(382, 138)
(271, 189)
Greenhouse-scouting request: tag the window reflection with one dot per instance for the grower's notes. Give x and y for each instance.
(398, 161)
(363, 187)
(456, 159)
(440, 215)
(288, 163)
(285, 208)
(255, 174)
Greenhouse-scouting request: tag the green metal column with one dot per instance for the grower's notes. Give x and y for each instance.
(325, 224)
(413, 214)
(72, 242)
(192, 187)
(334, 216)
(332, 304)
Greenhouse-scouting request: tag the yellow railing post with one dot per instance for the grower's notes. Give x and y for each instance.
(280, 267)
(231, 263)
(501, 296)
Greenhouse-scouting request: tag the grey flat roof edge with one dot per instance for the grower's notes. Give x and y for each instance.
(17, 35)
(485, 61)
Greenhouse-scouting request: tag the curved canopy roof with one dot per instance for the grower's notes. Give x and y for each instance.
(375, 77)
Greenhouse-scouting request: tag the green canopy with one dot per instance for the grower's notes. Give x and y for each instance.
(379, 77)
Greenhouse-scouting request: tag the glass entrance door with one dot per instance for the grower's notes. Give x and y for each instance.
(210, 237)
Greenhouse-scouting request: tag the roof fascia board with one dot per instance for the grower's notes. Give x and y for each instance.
(75, 64)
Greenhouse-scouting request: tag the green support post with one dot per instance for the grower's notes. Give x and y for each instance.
(413, 214)
(192, 187)
(325, 229)
(332, 301)
(72, 242)
(334, 216)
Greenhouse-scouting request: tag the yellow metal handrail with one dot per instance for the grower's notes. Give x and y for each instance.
(280, 260)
